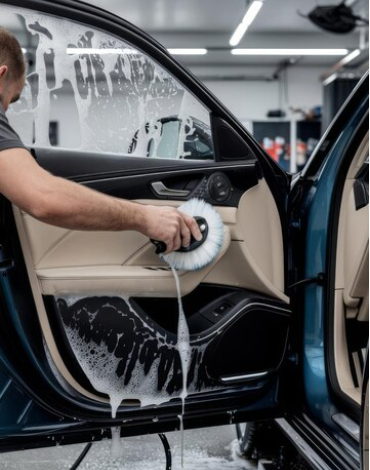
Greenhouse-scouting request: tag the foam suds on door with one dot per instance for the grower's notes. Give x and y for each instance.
(100, 359)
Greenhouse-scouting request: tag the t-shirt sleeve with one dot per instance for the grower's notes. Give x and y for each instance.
(8, 137)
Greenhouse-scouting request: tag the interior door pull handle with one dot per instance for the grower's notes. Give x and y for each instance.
(161, 190)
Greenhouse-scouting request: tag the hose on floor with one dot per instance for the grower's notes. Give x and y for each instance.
(163, 438)
(167, 451)
(247, 438)
(81, 456)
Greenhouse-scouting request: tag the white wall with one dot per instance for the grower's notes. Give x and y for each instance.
(251, 100)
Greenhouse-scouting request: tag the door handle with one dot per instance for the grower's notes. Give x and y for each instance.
(161, 190)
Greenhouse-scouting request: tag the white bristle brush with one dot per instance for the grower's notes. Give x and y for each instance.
(198, 254)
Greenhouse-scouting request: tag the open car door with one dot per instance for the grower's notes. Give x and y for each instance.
(88, 336)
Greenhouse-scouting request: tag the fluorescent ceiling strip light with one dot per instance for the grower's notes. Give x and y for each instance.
(348, 58)
(238, 34)
(330, 79)
(90, 50)
(248, 19)
(352, 55)
(187, 51)
(289, 52)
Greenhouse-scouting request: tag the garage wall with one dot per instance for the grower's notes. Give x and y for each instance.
(251, 100)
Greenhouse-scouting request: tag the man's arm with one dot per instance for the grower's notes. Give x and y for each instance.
(60, 202)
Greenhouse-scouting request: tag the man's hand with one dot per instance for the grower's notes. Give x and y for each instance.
(169, 225)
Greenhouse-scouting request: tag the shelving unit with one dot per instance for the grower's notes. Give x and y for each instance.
(290, 142)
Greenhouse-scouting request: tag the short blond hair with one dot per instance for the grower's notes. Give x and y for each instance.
(11, 55)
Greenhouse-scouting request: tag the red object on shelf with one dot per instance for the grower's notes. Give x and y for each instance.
(278, 149)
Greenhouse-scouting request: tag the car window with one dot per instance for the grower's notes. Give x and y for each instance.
(90, 91)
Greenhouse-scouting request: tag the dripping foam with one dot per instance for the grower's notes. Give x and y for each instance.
(183, 347)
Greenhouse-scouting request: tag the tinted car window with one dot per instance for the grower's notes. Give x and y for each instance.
(89, 91)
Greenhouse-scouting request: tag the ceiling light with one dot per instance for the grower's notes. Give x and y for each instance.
(90, 50)
(330, 79)
(187, 51)
(352, 55)
(289, 52)
(238, 34)
(248, 19)
(332, 75)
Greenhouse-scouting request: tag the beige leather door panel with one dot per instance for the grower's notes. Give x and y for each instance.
(76, 262)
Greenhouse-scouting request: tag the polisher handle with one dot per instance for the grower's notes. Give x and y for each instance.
(161, 247)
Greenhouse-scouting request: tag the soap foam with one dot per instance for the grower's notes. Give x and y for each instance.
(100, 365)
(116, 450)
(116, 95)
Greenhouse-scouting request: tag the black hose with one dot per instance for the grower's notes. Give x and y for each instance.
(81, 456)
(246, 438)
(163, 438)
(167, 451)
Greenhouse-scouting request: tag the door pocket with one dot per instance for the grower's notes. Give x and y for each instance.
(235, 336)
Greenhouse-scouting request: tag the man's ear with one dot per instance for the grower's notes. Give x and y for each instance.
(3, 71)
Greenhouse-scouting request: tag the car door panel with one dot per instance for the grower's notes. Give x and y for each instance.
(88, 273)
(67, 260)
(93, 268)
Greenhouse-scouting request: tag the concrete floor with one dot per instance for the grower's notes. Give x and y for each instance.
(204, 449)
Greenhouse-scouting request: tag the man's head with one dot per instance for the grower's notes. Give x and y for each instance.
(12, 68)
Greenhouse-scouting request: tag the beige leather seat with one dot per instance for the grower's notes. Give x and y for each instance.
(351, 280)
(356, 289)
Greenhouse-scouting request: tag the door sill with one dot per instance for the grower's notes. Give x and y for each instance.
(302, 446)
(348, 425)
(317, 446)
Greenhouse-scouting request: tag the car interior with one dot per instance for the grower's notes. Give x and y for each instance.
(351, 319)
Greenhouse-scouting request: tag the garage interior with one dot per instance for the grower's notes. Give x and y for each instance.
(285, 100)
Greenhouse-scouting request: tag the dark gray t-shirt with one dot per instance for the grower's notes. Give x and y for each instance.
(8, 137)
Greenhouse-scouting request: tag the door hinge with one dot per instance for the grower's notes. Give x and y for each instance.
(293, 358)
(296, 224)
(320, 279)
